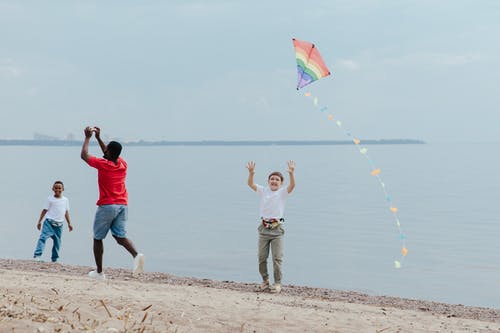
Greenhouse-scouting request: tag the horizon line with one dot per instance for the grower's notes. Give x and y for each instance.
(63, 142)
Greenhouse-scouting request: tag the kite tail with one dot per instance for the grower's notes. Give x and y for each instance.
(375, 172)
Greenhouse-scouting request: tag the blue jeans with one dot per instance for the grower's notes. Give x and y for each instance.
(50, 229)
(110, 217)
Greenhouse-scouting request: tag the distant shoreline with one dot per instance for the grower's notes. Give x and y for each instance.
(7, 142)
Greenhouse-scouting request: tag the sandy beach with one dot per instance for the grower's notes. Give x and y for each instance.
(46, 297)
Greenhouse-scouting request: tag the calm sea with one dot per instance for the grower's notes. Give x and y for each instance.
(192, 214)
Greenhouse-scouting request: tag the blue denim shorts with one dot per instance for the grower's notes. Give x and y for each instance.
(110, 217)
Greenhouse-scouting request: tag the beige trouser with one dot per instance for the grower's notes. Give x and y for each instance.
(271, 238)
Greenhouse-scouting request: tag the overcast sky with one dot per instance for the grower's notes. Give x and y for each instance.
(226, 70)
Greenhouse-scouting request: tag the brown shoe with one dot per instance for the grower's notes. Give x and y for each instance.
(264, 286)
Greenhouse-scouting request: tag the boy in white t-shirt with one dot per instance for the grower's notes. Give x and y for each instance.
(271, 231)
(55, 211)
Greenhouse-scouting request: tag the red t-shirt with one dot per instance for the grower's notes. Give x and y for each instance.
(111, 180)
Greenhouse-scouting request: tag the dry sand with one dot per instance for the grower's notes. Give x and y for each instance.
(46, 297)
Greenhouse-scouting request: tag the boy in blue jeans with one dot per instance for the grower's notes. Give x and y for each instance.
(55, 211)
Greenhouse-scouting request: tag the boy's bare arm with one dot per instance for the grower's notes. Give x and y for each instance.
(70, 226)
(291, 169)
(251, 172)
(39, 223)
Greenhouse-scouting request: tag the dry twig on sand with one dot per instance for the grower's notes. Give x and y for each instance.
(106, 308)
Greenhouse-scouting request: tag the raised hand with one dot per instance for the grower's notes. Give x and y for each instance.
(88, 131)
(251, 166)
(97, 131)
(291, 166)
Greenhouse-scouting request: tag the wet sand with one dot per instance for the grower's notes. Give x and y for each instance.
(47, 297)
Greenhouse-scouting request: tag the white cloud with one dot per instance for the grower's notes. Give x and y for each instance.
(348, 64)
(10, 7)
(32, 92)
(440, 59)
(262, 103)
(9, 69)
(205, 8)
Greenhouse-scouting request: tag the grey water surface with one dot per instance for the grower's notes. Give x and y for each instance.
(192, 214)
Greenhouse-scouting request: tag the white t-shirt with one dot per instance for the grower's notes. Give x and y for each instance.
(56, 208)
(272, 203)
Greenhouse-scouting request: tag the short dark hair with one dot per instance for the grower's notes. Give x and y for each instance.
(114, 150)
(275, 173)
(58, 182)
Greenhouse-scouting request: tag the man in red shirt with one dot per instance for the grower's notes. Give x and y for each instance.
(112, 210)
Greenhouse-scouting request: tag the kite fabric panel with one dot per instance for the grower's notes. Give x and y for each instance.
(310, 65)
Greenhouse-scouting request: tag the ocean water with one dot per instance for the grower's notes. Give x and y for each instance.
(192, 214)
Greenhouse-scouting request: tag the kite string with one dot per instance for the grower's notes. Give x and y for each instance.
(376, 173)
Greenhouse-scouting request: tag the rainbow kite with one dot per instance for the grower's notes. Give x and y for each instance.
(310, 66)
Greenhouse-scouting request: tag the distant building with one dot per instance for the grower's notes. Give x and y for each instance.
(43, 137)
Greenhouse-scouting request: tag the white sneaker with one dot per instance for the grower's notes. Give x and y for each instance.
(139, 263)
(97, 276)
(276, 289)
(38, 259)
